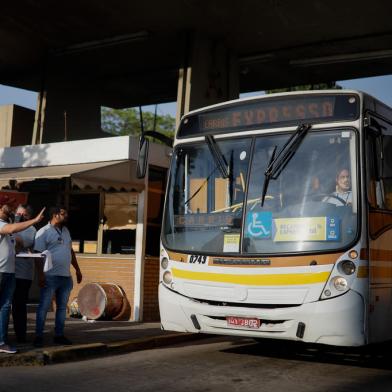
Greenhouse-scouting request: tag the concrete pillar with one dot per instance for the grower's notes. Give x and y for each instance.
(16, 124)
(70, 114)
(210, 75)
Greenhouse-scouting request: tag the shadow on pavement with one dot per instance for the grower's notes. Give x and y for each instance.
(85, 332)
(377, 356)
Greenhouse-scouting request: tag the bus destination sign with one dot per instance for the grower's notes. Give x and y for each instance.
(201, 220)
(263, 113)
(274, 112)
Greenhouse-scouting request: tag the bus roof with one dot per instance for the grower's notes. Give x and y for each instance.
(360, 93)
(276, 110)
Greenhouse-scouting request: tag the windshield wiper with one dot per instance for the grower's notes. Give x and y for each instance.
(220, 163)
(278, 163)
(219, 158)
(201, 186)
(267, 178)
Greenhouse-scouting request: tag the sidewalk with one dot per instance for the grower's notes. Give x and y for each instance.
(90, 340)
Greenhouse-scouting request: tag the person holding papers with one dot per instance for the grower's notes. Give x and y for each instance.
(24, 273)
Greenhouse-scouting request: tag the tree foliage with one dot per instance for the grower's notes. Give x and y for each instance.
(120, 122)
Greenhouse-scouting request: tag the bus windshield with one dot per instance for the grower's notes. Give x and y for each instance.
(310, 206)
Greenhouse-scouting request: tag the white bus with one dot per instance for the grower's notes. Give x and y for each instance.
(278, 220)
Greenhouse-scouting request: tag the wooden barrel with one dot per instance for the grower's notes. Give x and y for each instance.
(100, 301)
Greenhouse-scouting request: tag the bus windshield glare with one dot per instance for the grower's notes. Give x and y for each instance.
(311, 206)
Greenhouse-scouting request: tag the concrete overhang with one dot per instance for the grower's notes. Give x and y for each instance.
(131, 51)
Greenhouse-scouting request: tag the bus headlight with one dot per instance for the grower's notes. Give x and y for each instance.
(164, 263)
(167, 277)
(343, 276)
(346, 267)
(339, 283)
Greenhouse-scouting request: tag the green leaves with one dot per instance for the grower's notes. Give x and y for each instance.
(119, 122)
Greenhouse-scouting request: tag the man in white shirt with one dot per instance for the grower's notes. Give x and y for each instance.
(24, 273)
(343, 195)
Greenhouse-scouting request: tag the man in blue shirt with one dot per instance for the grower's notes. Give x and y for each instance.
(56, 239)
(7, 268)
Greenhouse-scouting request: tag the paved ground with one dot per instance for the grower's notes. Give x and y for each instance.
(90, 339)
(212, 365)
(82, 332)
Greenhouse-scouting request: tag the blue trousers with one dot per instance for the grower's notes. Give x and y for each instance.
(7, 287)
(19, 307)
(60, 286)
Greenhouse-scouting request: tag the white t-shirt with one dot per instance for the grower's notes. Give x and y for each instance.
(340, 199)
(7, 251)
(58, 242)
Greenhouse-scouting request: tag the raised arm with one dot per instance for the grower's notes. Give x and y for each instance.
(11, 228)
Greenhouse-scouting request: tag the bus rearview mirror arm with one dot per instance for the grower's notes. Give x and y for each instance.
(142, 158)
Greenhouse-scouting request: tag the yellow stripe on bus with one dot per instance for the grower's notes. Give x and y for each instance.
(254, 280)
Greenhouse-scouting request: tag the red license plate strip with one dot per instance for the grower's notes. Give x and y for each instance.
(244, 322)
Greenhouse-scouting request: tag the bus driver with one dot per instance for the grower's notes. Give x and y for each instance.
(343, 194)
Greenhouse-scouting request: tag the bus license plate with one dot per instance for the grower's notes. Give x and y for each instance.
(243, 322)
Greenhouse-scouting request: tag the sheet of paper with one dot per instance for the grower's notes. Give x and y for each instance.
(25, 254)
(231, 243)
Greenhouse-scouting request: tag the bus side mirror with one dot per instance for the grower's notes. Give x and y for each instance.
(142, 157)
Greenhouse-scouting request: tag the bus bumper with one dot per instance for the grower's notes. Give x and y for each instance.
(338, 321)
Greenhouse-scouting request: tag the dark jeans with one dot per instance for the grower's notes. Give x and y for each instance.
(19, 307)
(7, 287)
(61, 286)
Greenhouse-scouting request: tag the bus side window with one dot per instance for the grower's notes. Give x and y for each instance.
(373, 181)
(386, 174)
(379, 161)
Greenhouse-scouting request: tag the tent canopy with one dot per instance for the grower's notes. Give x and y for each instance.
(119, 175)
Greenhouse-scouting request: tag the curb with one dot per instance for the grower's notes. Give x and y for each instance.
(74, 353)
(25, 359)
(94, 350)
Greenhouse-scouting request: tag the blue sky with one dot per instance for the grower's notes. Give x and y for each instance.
(380, 87)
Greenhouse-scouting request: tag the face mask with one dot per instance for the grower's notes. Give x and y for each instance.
(19, 218)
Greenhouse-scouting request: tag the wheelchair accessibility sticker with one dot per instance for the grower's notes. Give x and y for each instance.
(259, 225)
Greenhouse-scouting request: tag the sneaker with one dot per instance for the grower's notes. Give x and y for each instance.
(38, 342)
(62, 340)
(5, 348)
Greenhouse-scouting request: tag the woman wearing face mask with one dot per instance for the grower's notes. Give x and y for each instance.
(7, 267)
(24, 273)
